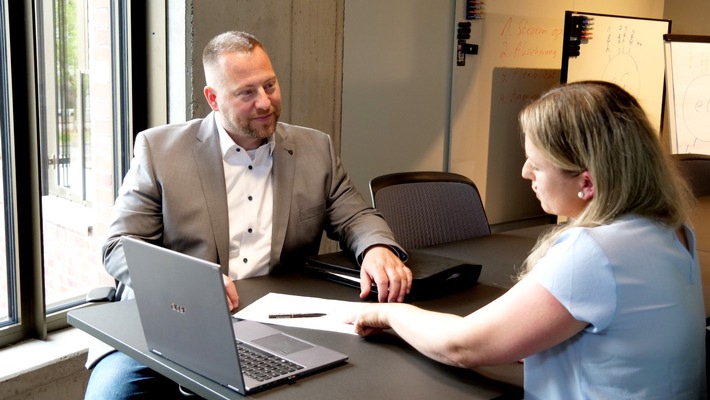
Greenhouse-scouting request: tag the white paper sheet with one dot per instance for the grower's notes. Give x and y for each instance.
(277, 303)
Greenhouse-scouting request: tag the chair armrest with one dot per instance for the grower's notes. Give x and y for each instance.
(101, 294)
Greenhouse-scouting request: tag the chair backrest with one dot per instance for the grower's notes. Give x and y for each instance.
(696, 169)
(429, 208)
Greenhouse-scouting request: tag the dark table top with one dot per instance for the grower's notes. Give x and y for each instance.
(501, 254)
(381, 367)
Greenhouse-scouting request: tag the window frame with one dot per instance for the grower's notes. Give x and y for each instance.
(6, 176)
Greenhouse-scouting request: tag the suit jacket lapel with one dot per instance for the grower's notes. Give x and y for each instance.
(208, 162)
(283, 172)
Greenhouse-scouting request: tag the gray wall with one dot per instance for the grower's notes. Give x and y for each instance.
(396, 87)
(690, 17)
(318, 45)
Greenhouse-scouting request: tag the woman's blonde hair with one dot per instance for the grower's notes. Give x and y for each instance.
(599, 127)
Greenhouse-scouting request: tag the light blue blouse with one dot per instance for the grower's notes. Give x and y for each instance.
(641, 292)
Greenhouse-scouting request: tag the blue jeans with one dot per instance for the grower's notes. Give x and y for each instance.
(118, 376)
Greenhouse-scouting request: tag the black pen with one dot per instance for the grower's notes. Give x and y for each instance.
(304, 315)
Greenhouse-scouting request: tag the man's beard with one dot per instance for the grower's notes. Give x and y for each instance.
(242, 128)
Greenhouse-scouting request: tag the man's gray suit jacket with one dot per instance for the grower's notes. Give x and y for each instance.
(175, 195)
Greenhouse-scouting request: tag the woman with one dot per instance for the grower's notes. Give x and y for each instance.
(609, 304)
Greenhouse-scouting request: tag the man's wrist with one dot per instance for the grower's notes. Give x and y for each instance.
(400, 253)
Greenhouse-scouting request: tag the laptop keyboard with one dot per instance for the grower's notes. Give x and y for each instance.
(263, 366)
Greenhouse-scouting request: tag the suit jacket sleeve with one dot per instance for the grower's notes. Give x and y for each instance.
(312, 193)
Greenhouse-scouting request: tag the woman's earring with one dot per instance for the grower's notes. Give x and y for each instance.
(580, 194)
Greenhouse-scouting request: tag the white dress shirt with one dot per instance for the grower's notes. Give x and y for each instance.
(250, 205)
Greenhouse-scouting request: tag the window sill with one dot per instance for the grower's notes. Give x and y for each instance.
(35, 354)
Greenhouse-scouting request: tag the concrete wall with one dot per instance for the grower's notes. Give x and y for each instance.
(304, 40)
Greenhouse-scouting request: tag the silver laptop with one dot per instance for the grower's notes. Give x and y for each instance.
(183, 308)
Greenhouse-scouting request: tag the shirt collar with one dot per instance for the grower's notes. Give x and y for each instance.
(226, 143)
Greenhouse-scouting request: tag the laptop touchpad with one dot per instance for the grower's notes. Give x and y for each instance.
(282, 344)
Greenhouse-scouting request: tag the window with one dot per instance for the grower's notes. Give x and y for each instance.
(61, 123)
(67, 135)
(75, 128)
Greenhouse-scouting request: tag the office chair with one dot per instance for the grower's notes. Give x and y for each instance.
(696, 169)
(428, 208)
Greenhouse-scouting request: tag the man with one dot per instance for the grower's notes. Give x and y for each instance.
(243, 190)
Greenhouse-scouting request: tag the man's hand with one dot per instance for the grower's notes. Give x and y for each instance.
(231, 289)
(382, 266)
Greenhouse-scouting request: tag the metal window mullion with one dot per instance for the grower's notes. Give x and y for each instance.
(22, 147)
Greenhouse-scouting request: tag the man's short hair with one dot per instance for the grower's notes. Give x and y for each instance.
(227, 42)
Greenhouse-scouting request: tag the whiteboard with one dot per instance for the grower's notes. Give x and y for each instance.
(688, 75)
(628, 51)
